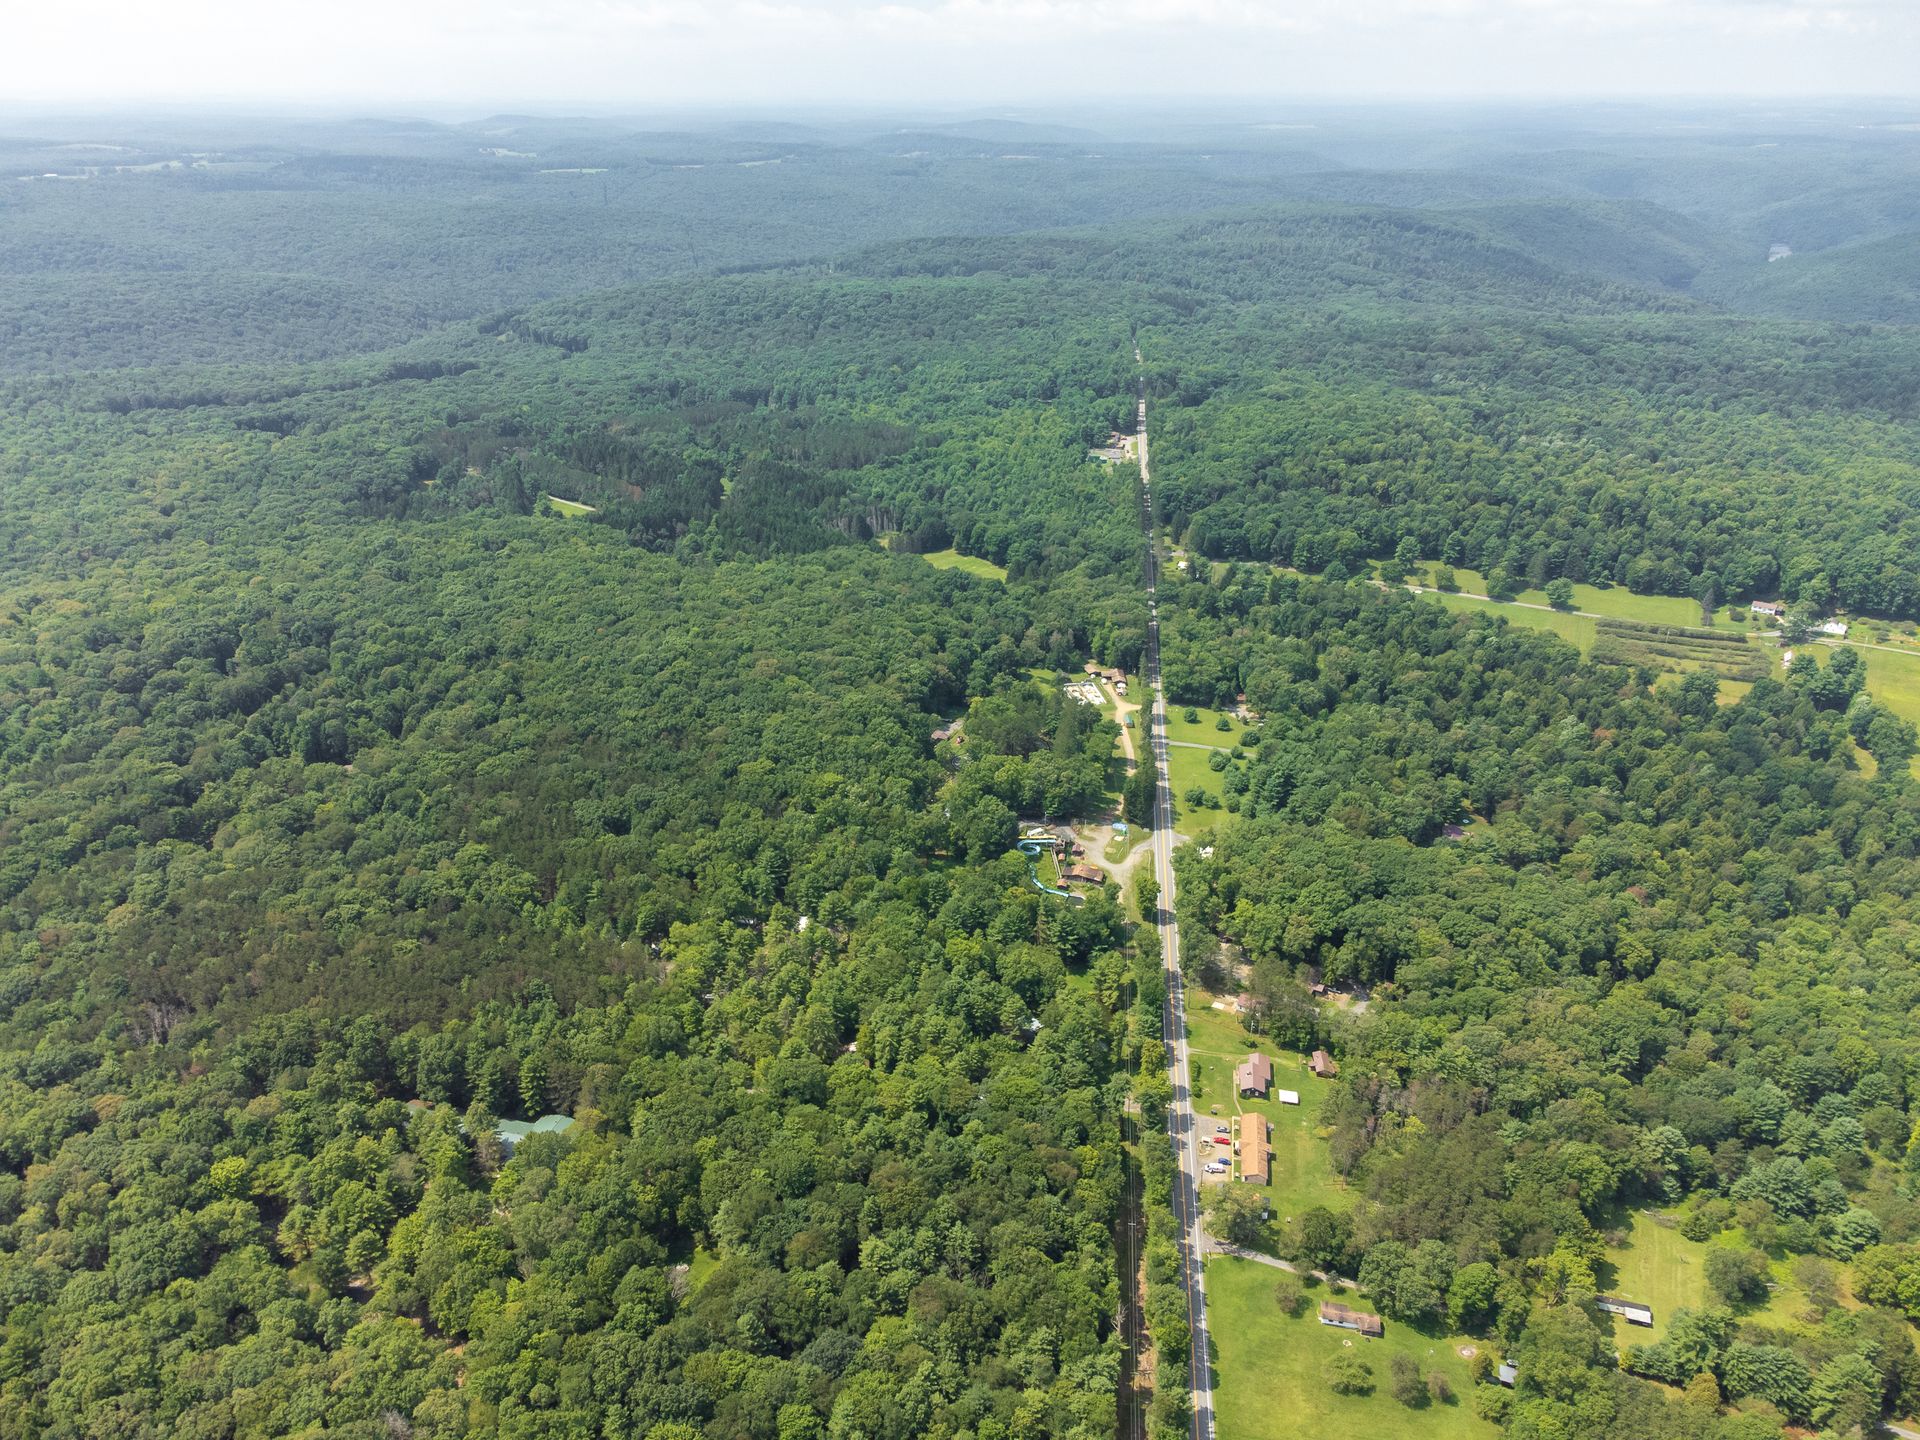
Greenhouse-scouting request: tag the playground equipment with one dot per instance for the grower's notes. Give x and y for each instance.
(1030, 845)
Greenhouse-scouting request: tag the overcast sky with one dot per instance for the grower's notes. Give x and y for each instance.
(613, 54)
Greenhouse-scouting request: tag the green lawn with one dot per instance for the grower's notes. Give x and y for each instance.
(569, 507)
(1187, 767)
(1575, 629)
(972, 564)
(1616, 602)
(1268, 1382)
(1893, 680)
(1202, 731)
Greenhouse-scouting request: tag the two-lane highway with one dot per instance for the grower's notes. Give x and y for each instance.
(1180, 1119)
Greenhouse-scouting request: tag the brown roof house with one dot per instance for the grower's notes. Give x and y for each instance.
(1253, 1075)
(1322, 1065)
(1255, 1155)
(1345, 1318)
(1084, 874)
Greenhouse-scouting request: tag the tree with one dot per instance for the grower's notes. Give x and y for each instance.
(1288, 1293)
(1773, 1374)
(1470, 1295)
(1739, 1277)
(1560, 593)
(1323, 1239)
(1347, 1374)
(1846, 1395)
(1404, 1381)
(1235, 1212)
(1407, 1284)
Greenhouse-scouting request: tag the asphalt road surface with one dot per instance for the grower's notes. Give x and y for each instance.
(1180, 1120)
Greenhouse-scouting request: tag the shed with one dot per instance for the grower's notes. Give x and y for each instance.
(1322, 1064)
(1347, 1318)
(1287, 1097)
(1507, 1373)
(1631, 1311)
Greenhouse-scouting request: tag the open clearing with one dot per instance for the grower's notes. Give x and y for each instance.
(1616, 602)
(569, 507)
(972, 564)
(1659, 1266)
(1203, 730)
(1269, 1384)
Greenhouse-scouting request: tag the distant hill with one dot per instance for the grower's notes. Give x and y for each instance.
(1877, 282)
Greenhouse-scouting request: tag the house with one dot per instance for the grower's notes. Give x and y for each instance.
(1084, 874)
(1835, 628)
(1253, 1075)
(511, 1132)
(943, 733)
(1287, 1097)
(1322, 1064)
(1346, 1318)
(1255, 1154)
(1773, 608)
(1631, 1311)
(1507, 1373)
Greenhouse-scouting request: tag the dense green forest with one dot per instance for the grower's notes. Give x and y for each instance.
(1674, 965)
(356, 797)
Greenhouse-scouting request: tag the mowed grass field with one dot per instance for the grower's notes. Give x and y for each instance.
(1659, 1266)
(1203, 730)
(569, 508)
(972, 564)
(1576, 630)
(1269, 1383)
(1616, 602)
(1187, 767)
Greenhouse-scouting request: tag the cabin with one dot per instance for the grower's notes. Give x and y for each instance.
(1343, 1317)
(1256, 1156)
(1507, 1373)
(1768, 607)
(1631, 1311)
(1322, 1064)
(1253, 1075)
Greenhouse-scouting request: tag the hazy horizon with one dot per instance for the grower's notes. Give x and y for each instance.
(647, 55)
